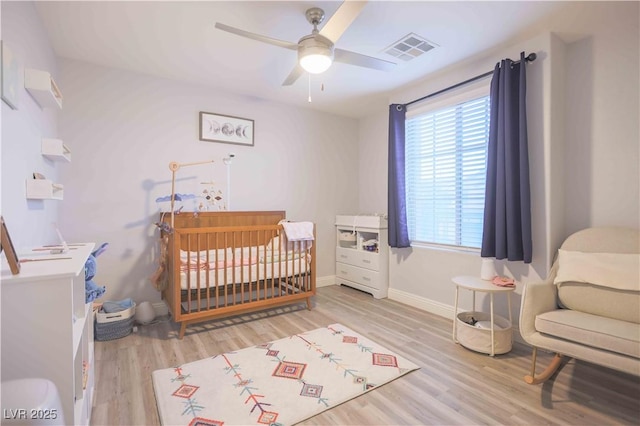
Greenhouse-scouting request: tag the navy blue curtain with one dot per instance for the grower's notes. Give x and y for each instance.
(507, 204)
(397, 207)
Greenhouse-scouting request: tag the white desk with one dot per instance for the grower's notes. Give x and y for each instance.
(476, 284)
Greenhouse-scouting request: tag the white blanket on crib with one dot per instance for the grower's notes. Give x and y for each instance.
(298, 231)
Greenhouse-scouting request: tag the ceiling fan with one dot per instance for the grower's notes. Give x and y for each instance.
(316, 51)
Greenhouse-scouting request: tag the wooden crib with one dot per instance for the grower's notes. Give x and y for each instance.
(219, 264)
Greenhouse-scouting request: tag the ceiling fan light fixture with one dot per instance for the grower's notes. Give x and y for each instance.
(315, 63)
(315, 54)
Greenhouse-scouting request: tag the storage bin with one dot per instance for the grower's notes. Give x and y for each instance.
(348, 236)
(114, 325)
(478, 338)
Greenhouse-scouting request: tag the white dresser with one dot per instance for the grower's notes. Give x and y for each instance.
(47, 328)
(362, 253)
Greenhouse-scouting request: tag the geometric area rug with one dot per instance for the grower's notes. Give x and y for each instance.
(277, 383)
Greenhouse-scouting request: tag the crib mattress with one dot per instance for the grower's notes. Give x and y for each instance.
(217, 276)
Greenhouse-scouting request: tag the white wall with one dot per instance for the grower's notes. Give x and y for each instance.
(372, 162)
(583, 141)
(602, 133)
(124, 129)
(29, 221)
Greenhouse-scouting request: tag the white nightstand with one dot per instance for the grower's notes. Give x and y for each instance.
(498, 338)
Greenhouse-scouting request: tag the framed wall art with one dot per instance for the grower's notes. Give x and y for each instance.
(226, 129)
(9, 251)
(11, 73)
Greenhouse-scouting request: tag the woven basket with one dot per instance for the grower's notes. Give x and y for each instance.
(479, 339)
(114, 325)
(113, 330)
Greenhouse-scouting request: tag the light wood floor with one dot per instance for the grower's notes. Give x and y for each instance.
(454, 386)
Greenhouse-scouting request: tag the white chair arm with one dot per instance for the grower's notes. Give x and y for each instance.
(537, 298)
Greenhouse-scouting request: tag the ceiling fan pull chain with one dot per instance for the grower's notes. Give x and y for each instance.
(309, 74)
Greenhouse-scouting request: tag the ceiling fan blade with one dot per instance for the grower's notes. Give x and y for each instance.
(258, 37)
(352, 58)
(340, 21)
(294, 75)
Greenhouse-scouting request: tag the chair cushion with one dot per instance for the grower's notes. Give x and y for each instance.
(591, 330)
(602, 301)
(614, 270)
(604, 284)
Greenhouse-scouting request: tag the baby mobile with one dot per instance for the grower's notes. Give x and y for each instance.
(212, 197)
(211, 194)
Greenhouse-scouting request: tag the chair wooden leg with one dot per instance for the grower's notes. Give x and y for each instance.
(553, 366)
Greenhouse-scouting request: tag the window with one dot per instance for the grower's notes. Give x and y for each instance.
(445, 155)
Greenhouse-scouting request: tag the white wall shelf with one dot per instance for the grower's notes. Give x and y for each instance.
(47, 328)
(43, 88)
(44, 189)
(55, 150)
(362, 253)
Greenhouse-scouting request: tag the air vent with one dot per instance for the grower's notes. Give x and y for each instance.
(409, 47)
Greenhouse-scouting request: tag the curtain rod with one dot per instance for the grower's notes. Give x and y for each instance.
(530, 58)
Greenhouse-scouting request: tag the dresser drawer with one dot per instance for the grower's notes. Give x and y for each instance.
(363, 259)
(362, 276)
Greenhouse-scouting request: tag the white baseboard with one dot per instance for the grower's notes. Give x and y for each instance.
(160, 308)
(422, 303)
(325, 281)
(437, 308)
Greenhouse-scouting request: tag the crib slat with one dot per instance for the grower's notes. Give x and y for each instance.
(208, 275)
(198, 277)
(224, 274)
(216, 275)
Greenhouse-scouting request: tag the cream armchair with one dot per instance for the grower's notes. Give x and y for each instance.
(588, 308)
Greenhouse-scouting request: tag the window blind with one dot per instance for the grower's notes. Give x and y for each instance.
(445, 155)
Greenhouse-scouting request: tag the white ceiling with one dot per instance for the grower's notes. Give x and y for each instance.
(177, 40)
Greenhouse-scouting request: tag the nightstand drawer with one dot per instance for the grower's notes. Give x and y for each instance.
(358, 275)
(363, 259)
